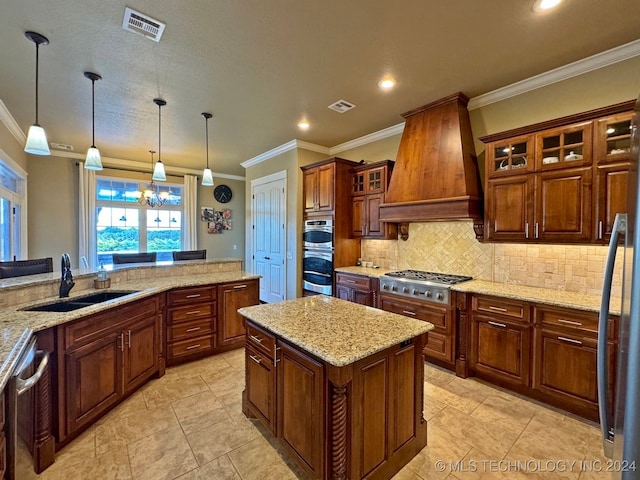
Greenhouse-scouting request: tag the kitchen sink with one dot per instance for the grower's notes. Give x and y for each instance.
(78, 302)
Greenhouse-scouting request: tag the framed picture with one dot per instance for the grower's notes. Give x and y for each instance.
(206, 214)
(220, 221)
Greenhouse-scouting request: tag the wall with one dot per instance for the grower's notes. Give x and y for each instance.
(11, 147)
(53, 210)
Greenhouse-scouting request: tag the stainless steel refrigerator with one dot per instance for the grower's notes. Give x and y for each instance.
(620, 422)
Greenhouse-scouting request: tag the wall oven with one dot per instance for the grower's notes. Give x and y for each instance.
(317, 271)
(318, 234)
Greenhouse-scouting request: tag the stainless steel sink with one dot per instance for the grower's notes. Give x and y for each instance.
(79, 302)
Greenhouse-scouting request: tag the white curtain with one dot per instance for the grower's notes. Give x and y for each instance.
(190, 214)
(87, 216)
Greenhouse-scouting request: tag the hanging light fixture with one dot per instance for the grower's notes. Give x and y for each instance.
(151, 196)
(93, 160)
(207, 176)
(37, 138)
(158, 171)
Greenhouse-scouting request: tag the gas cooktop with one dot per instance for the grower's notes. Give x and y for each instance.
(433, 277)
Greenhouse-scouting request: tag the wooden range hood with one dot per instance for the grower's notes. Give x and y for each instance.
(436, 174)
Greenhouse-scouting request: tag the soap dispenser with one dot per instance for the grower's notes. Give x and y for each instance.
(103, 281)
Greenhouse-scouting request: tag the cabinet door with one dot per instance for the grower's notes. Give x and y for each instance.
(510, 208)
(510, 156)
(613, 138)
(363, 297)
(563, 205)
(93, 379)
(358, 216)
(611, 197)
(261, 386)
(310, 188)
(300, 413)
(344, 293)
(569, 146)
(141, 353)
(233, 296)
(376, 180)
(326, 175)
(374, 227)
(500, 349)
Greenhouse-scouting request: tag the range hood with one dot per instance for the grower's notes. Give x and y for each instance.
(436, 173)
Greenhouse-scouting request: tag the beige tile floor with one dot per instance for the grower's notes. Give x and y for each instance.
(188, 425)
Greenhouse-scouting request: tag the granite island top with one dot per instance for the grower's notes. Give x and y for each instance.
(336, 331)
(16, 323)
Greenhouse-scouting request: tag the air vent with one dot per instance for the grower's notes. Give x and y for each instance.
(142, 24)
(341, 106)
(61, 146)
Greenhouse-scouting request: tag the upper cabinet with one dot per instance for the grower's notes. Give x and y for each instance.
(561, 181)
(368, 188)
(319, 189)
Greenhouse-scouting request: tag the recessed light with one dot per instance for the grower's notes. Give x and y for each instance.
(303, 125)
(545, 5)
(387, 83)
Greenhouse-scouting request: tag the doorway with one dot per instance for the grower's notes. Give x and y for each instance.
(268, 207)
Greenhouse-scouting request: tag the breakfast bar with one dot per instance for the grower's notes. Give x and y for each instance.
(338, 384)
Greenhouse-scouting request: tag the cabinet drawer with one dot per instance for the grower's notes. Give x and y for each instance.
(358, 281)
(579, 321)
(499, 306)
(191, 346)
(190, 295)
(190, 312)
(436, 314)
(195, 328)
(261, 340)
(438, 345)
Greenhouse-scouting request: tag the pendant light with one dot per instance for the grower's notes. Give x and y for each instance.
(151, 196)
(93, 160)
(37, 138)
(158, 171)
(207, 176)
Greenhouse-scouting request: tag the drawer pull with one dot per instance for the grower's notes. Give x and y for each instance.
(408, 312)
(194, 295)
(498, 309)
(255, 359)
(570, 340)
(194, 329)
(569, 322)
(191, 347)
(496, 324)
(193, 312)
(240, 286)
(349, 281)
(255, 339)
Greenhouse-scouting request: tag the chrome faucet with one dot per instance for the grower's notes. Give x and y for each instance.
(67, 283)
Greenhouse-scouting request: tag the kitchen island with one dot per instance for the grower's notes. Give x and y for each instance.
(340, 385)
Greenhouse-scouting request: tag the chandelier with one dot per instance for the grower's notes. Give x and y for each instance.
(152, 196)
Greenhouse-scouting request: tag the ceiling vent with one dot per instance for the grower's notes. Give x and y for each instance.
(142, 24)
(341, 106)
(61, 146)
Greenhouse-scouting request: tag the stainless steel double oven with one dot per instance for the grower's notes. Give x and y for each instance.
(317, 262)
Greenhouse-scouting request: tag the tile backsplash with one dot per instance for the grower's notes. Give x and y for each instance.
(451, 247)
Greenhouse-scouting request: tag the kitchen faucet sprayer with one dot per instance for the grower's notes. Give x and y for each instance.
(66, 283)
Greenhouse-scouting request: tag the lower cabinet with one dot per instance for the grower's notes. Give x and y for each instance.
(103, 358)
(3, 436)
(260, 364)
(231, 297)
(357, 288)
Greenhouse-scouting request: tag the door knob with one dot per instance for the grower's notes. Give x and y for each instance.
(267, 258)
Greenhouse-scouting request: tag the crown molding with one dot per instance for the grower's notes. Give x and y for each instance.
(110, 162)
(285, 147)
(372, 137)
(594, 62)
(11, 124)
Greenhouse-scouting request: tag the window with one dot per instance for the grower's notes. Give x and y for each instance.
(125, 226)
(13, 236)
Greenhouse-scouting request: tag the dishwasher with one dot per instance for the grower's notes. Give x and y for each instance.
(17, 395)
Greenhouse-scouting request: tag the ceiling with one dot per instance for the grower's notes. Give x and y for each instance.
(261, 66)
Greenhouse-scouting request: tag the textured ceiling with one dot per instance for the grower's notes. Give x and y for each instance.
(260, 66)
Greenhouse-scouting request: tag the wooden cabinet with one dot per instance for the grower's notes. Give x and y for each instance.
(561, 181)
(105, 357)
(357, 288)
(231, 297)
(440, 342)
(191, 323)
(369, 186)
(500, 340)
(318, 187)
(3, 436)
(564, 358)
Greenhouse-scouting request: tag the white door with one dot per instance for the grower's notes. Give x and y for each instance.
(269, 217)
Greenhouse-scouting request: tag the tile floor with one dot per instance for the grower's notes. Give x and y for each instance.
(188, 425)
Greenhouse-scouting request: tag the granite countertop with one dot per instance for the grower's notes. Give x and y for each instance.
(14, 341)
(14, 320)
(366, 271)
(558, 298)
(336, 331)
